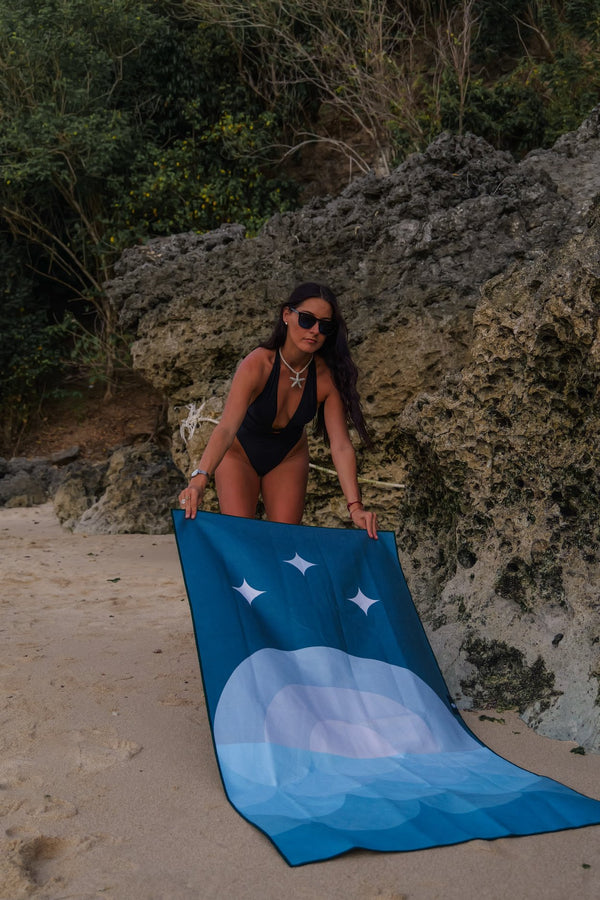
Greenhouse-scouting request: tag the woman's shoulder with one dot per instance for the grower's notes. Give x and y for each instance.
(258, 362)
(324, 376)
(260, 356)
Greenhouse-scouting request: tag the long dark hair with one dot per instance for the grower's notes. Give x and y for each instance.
(335, 352)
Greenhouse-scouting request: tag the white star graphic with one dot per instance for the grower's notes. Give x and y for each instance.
(363, 601)
(247, 592)
(302, 564)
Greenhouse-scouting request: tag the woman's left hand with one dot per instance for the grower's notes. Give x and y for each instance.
(364, 519)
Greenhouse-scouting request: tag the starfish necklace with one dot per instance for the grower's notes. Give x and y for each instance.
(296, 380)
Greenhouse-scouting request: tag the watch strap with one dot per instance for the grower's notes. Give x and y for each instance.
(200, 472)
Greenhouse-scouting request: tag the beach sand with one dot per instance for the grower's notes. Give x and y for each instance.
(108, 782)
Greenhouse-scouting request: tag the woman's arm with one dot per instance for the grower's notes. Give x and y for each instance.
(246, 385)
(344, 460)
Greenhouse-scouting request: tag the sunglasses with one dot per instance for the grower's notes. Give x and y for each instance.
(307, 320)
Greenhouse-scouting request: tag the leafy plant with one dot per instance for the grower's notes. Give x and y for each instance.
(30, 346)
(118, 122)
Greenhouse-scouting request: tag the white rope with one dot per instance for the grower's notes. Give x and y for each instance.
(194, 418)
(361, 479)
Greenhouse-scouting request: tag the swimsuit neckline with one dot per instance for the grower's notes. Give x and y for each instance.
(275, 374)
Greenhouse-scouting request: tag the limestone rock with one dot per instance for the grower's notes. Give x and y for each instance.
(82, 485)
(499, 522)
(139, 490)
(407, 254)
(470, 285)
(573, 163)
(26, 482)
(62, 457)
(133, 491)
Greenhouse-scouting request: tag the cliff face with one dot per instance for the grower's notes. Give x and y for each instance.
(502, 498)
(470, 286)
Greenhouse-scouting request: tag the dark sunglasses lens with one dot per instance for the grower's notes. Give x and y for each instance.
(327, 328)
(307, 320)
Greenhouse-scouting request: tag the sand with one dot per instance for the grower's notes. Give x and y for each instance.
(108, 782)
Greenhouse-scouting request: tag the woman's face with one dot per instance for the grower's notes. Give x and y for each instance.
(308, 339)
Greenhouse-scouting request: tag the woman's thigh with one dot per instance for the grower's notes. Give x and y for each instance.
(284, 487)
(237, 483)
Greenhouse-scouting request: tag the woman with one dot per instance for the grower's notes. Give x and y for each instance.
(260, 445)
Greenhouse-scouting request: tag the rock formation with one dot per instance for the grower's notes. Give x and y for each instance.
(132, 492)
(470, 284)
(135, 495)
(27, 482)
(407, 255)
(499, 521)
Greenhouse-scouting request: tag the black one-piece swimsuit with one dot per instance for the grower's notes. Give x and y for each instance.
(264, 447)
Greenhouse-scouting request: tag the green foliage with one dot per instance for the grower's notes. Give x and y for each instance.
(118, 122)
(499, 40)
(106, 107)
(202, 181)
(534, 74)
(539, 72)
(30, 345)
(508, 113)
(518, 72)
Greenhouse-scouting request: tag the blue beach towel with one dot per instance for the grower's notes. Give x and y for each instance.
(332, 724)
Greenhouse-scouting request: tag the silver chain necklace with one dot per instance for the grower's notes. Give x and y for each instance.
(296, 380)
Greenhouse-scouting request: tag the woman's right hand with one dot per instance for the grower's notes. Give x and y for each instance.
(190, 500)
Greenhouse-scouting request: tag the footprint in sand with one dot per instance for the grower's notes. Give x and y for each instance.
(40, 861)
(52, 808)
(98, 750)
(38, 856)
(13, 777)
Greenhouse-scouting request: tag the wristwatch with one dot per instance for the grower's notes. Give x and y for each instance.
(199, 472)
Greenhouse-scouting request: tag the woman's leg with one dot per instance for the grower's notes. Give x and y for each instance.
(284, 487)
(237, 483)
